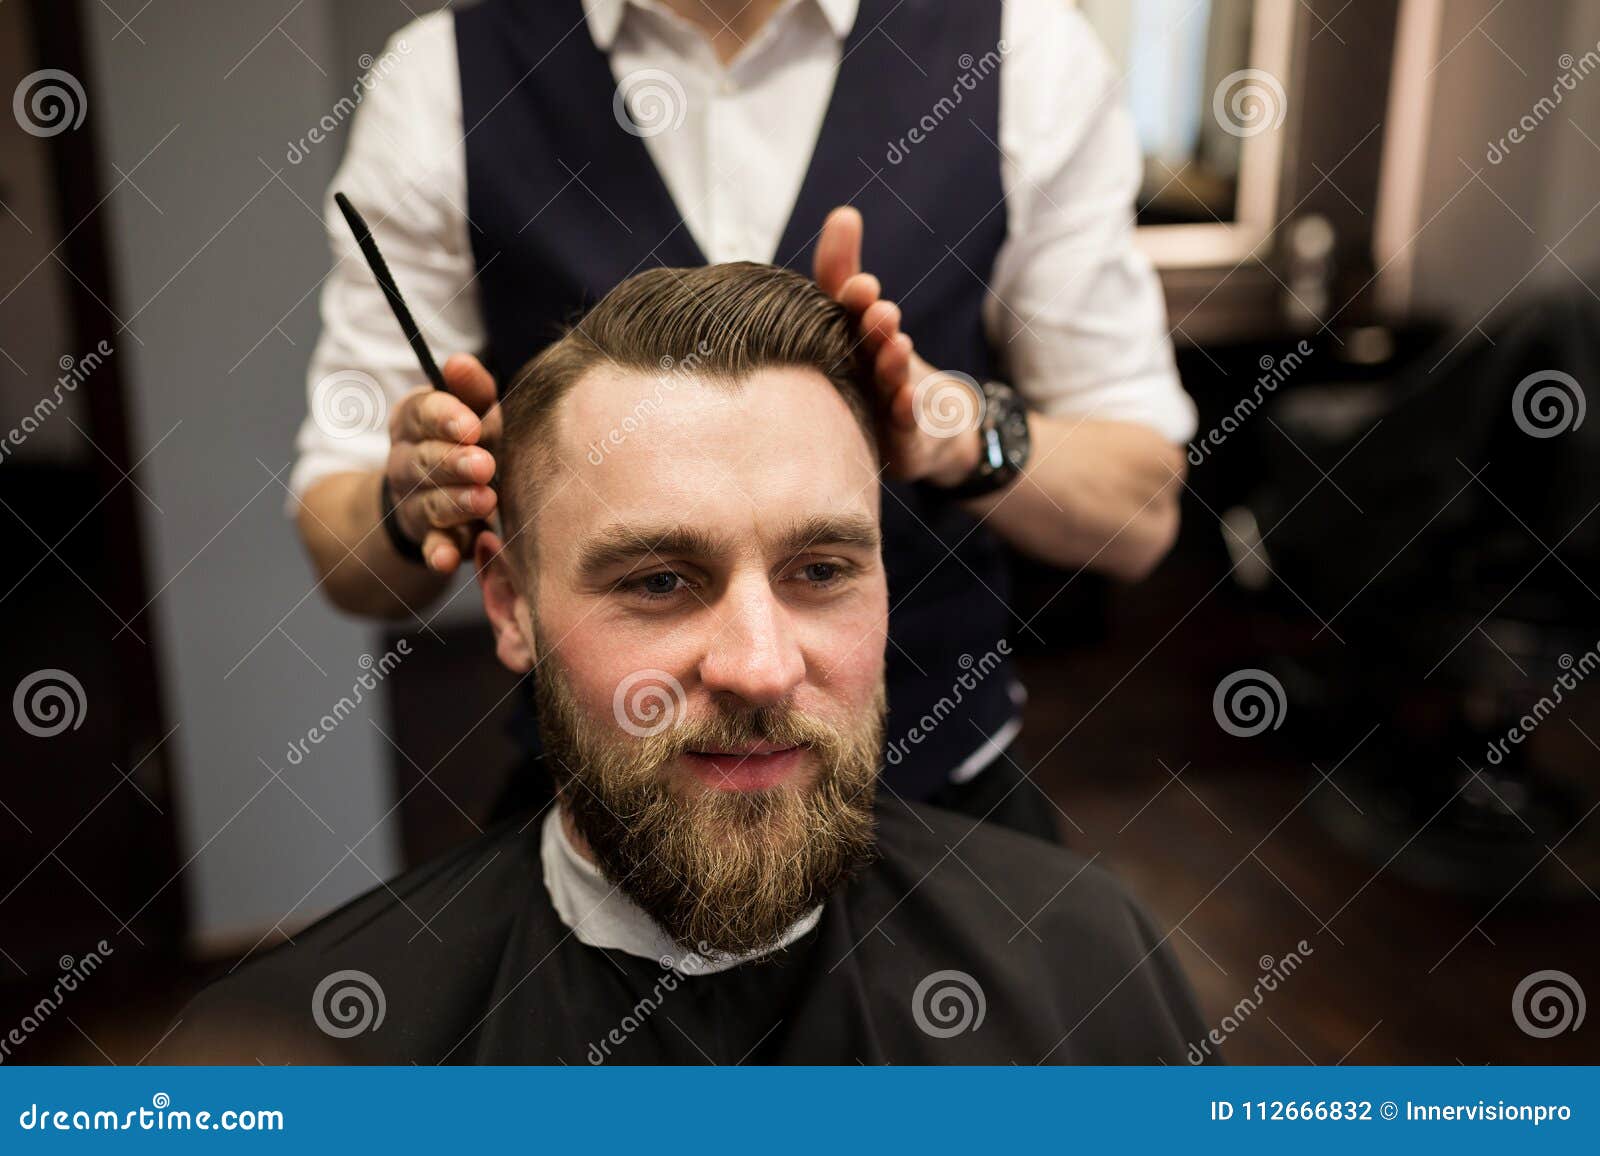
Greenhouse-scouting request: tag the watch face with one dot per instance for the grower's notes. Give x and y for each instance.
(1004, 431)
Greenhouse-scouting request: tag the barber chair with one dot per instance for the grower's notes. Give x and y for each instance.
(1439, 533)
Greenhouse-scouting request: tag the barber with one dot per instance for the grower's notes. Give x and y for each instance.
(518, 158)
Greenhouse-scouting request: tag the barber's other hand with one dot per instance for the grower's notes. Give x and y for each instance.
(910, 451)
(441, 461)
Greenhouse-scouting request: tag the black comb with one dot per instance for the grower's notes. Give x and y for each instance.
(380, 270)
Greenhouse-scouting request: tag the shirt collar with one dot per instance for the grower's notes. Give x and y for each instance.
(840, 14)
(605, 18)
(601, 915)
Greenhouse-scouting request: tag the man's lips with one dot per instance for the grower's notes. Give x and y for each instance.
(750, 768)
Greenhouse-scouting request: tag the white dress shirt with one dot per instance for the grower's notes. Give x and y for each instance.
(1074, 310)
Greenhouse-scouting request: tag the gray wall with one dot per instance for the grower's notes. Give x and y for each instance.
(216, 276)
(1487, 238)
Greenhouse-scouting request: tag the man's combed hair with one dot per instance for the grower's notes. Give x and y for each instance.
(716, 323)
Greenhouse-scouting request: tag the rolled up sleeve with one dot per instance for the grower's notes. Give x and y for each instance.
(1076, 310)
(404, 169)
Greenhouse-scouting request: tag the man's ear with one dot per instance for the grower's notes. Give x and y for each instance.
(509, 614)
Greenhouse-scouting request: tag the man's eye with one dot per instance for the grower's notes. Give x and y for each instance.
(823, 574)
(654, 587)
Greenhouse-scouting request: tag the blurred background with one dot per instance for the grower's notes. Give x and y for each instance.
(1351, 717)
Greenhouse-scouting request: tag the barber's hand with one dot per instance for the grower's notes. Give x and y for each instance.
(923, 427)
(441, 461)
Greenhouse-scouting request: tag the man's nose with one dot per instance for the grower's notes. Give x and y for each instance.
(754, 652)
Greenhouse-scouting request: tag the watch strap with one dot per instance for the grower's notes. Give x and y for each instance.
(403, 545)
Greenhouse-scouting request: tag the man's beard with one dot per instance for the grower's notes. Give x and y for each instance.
(721, 871)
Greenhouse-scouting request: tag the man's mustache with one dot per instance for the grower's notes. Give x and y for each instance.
(738, 730)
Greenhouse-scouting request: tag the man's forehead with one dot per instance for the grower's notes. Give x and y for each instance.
(780, 448)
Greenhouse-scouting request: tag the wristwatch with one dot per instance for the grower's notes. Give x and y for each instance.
(403, 545)
(1004, 443)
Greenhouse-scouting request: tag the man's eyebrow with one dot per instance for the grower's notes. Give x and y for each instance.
(619, 543)
(848, 530)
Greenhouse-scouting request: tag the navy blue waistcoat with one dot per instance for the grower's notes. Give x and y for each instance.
(565, 203)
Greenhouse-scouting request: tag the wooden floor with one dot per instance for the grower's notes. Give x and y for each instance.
(1227, 841)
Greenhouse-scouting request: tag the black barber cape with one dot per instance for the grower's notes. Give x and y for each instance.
(962, 943)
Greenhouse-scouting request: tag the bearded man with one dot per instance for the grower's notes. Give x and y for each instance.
(689, 567)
